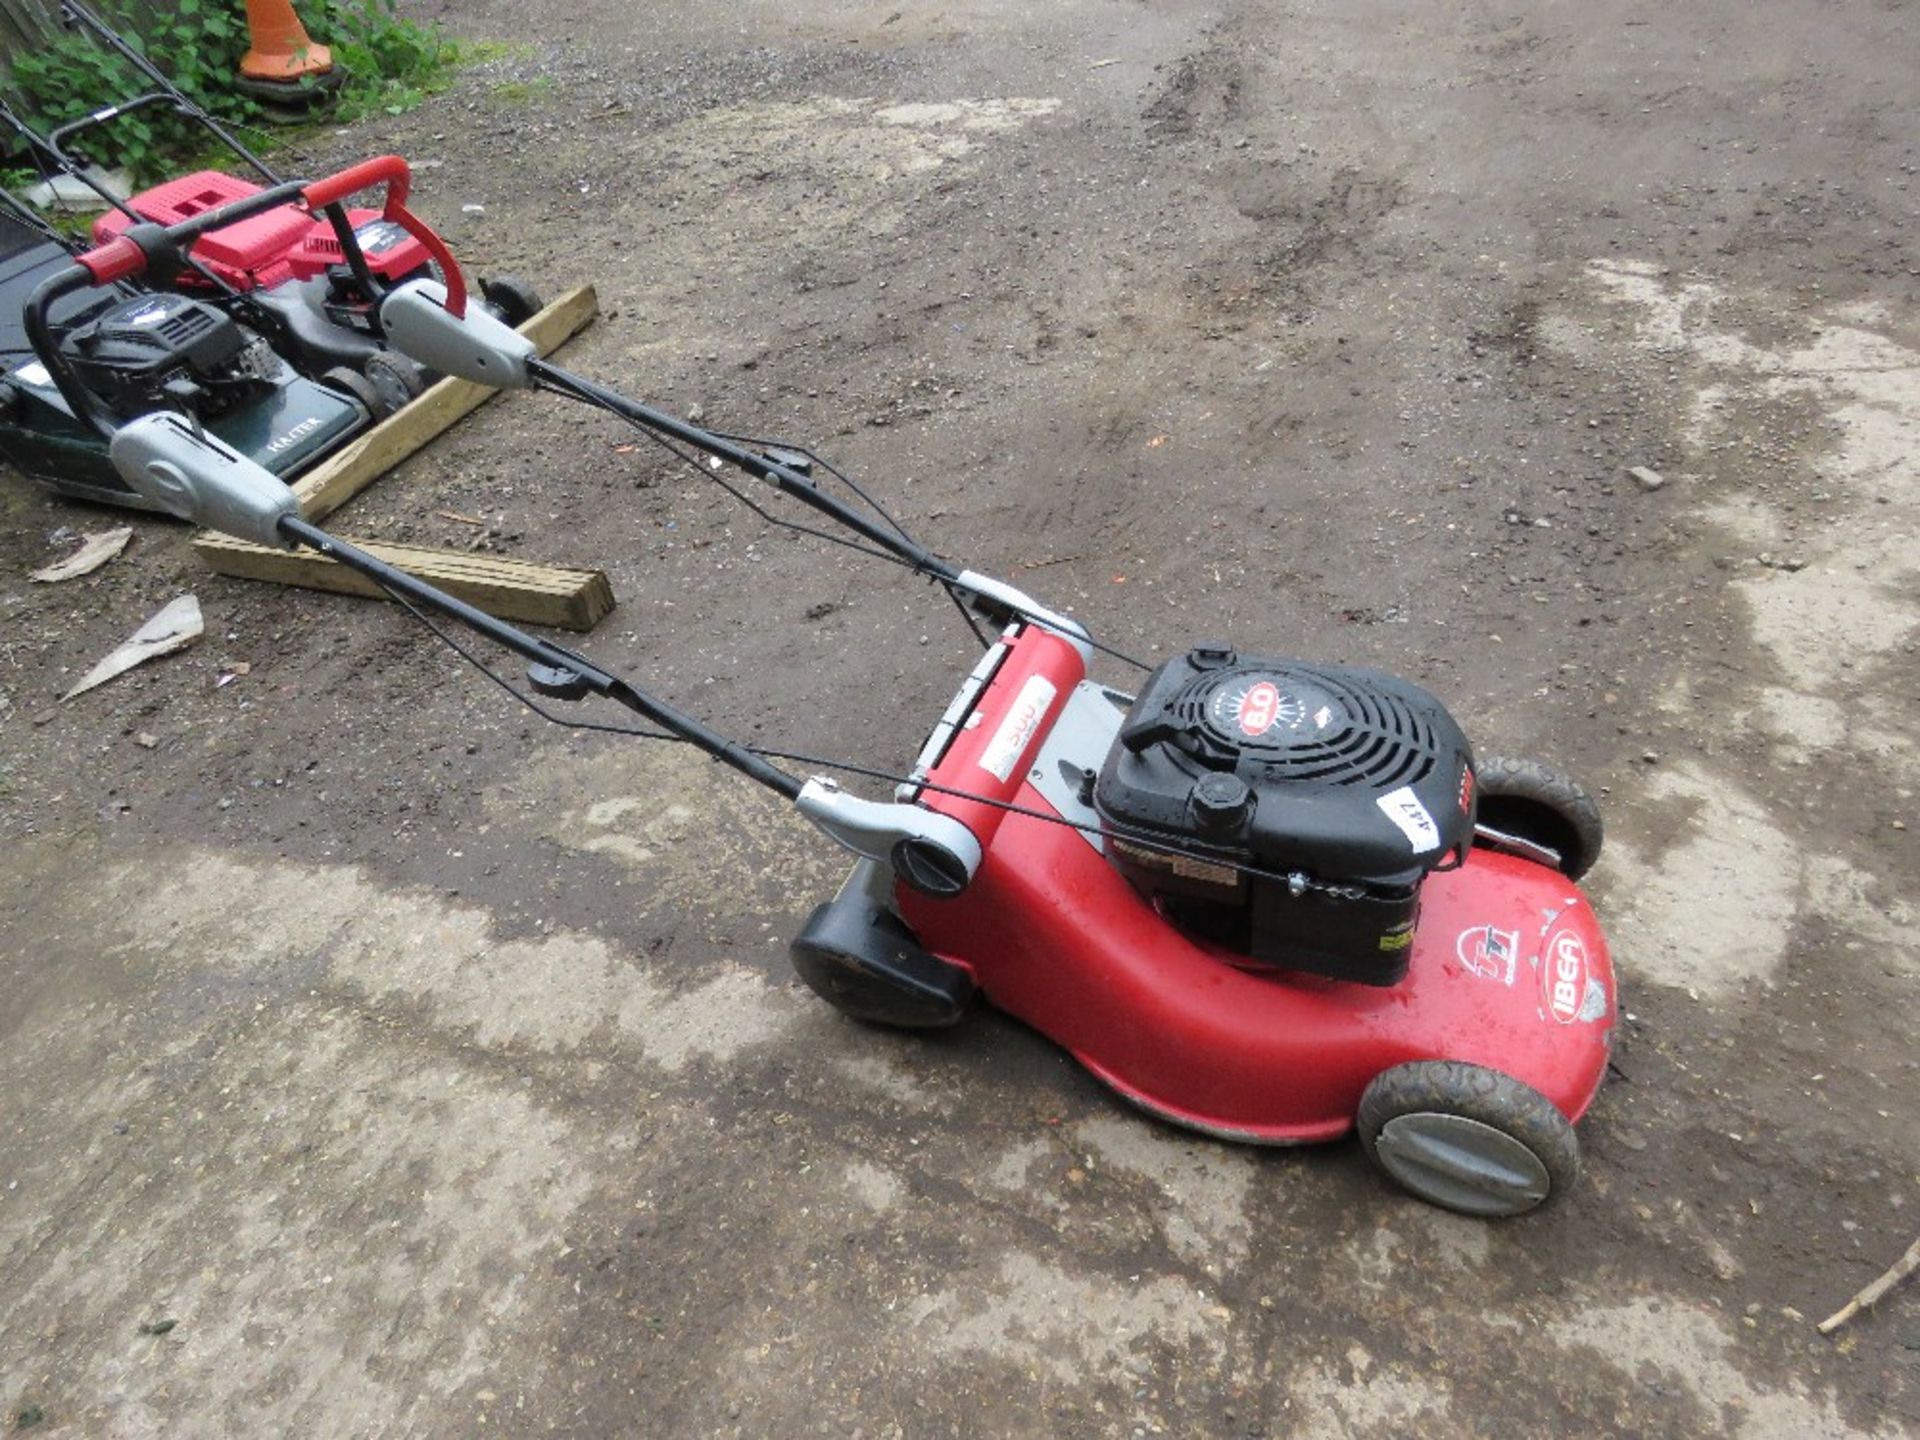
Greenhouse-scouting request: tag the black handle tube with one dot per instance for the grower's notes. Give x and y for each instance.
(75, 13)
(58, 137)
(542, 652)
(33, 319)
(789, 481)
(44, 153)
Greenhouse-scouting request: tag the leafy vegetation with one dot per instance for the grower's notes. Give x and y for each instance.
(391, 62)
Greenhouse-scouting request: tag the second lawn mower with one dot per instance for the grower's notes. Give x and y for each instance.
(1267, 899)
(103, 359)
(310, 282)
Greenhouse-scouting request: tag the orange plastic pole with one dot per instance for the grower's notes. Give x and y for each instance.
(281, 49)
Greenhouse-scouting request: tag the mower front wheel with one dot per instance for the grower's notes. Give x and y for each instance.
(512, 299)
(1467, 1138)
(351, 382)
(395, 378)
(1542, 806)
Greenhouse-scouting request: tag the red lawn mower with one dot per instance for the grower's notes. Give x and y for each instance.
(1265, 899)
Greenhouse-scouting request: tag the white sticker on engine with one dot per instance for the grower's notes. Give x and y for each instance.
(34, 374)
(1404, 809)
(1010, 741)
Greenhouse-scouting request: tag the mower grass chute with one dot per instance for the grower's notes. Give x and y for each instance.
(1253, 898)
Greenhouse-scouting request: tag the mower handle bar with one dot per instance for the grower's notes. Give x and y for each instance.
(126, 256)
(131, 254)
(75, 15)
(198, 478)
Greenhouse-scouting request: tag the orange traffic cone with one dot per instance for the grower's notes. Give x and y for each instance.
(281, 49)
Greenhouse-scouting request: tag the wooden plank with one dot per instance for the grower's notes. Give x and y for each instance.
(509, 589)
(348, 471)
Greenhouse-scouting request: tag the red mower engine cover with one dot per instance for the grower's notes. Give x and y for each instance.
(267, 250)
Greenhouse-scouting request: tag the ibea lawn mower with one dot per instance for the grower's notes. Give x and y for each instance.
(1262, 898)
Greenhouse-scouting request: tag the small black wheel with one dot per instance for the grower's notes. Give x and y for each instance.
(1467, 1138)
(512, 299)
(396, 378)
(866, 963)
(352, 383)
(1547, 807)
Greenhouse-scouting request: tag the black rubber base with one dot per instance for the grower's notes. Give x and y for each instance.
(293, 97)
(865, 962)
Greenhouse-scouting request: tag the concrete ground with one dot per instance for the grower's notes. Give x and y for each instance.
(376, 1060)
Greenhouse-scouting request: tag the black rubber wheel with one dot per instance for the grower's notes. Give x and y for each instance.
(1534, 802)
(351, 382)
(396, 378)
(512, 299)
(1467, 1138)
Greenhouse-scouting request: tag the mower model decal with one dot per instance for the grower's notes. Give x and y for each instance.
(305, 427)
(1016, 731)
(1564, 976)
(1259, 708)
(1404, 809)
(1466, 791)
(149, 314)
(376, 237)
(1489, 953)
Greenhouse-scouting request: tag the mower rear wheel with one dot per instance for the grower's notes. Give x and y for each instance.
(351, 382)
(1467, 1138)
(512, 299)
(395, 378)
(1547, 807)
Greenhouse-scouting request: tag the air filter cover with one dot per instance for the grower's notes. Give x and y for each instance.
(1351, 783)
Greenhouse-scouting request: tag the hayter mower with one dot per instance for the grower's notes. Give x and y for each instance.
(1265, 899)
(76, 362)
(310, 282)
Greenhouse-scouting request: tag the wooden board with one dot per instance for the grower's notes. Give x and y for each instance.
(349, 470)
(508, 589)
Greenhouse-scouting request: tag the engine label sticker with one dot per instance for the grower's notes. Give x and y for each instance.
(1489, 953)
(379, 236)
(1563, 977)
(34, 375)
(1017, 729)
(1404, 809)
(1259, 708)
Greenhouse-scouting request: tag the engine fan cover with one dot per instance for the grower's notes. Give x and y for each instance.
(1345, 787)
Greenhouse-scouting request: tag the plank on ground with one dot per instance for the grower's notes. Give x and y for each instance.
(348, 471)
(507, 589)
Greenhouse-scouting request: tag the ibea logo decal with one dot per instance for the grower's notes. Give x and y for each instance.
(1404, 809)
(1259, 708)
(305, 427)
(1010, 741)
(150, 314)
(1563, 976)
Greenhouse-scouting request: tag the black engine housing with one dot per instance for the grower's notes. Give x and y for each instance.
(1347, 786)
(167, 351)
